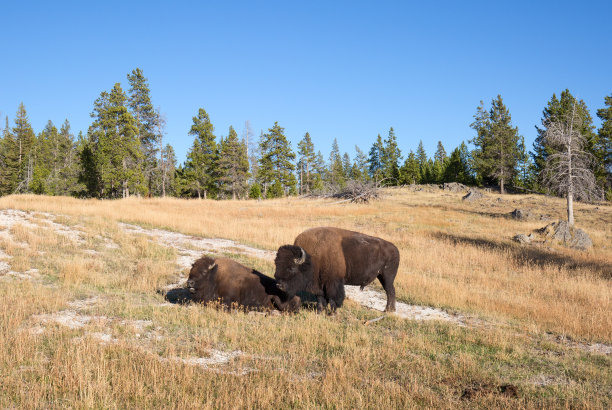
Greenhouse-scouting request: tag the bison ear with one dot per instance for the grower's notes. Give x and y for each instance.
(211, 267)
(302, 258)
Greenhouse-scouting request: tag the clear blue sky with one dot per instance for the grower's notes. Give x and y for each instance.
(337, 69)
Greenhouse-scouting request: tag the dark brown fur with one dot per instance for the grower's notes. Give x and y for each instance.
(230, 283)
(335, 257)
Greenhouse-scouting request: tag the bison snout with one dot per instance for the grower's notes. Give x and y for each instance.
(191, 285)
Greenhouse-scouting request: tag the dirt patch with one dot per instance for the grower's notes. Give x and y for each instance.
(11, 217)
(215, 359)
(191, 248)
(378, 301)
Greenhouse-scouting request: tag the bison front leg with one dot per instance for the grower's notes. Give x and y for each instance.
(321, 303)
(334, 293)
(291, 305)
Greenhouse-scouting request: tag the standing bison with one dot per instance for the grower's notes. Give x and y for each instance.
(231, 283)
(323, 260)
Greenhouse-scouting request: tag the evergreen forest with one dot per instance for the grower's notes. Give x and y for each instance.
(124, 153)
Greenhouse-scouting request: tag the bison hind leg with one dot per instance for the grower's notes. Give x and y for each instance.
(387, 283)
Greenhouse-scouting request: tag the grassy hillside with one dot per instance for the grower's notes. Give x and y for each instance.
(87, 328)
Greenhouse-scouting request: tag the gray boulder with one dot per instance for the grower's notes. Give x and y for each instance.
(473, 195)
(521, 214)
(561, 232)
(522, 238)
(454, 187)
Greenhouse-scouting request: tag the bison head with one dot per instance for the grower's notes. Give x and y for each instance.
(201, 277)
(294, 270)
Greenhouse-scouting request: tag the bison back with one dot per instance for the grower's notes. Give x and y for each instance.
(353, 257)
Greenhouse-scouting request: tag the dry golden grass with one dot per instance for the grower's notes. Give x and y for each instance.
(132, 350)
(454, 254)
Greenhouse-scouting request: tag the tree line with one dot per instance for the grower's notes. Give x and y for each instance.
(123, 153)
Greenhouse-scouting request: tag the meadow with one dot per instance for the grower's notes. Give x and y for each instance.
(82, 323)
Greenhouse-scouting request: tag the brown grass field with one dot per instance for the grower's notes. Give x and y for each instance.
(87, 327)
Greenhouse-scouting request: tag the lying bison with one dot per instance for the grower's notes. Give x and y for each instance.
(323, 260)
(231, 283)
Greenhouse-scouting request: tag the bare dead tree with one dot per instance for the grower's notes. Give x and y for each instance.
(569, 170)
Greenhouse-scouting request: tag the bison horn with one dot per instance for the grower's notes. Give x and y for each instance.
(302, 259)
(211, 267)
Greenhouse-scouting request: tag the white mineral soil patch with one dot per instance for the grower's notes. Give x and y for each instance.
(191, 248)
(375, 300)
(11, 217)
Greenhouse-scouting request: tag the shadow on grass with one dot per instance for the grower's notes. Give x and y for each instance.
(182, 296)
(531, 255)
(179, 296)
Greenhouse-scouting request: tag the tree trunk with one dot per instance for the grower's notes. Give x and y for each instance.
(501, 186)
(570, 185)
(307, 178)
(570, 209)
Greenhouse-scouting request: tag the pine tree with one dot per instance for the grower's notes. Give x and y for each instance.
(391, 156)
(275, 165)
(147, 119)
(375, 160)
(438, 171)
(410, 172)
(496, 142)
(114, 147)
(201, 165)
(347, 166)
(88, 173)
(9, 157)
(336, 170)
(233, 165)
(24, 138)
(440, 154)
(359, 170)
(320, 172)
(524, 177)
(421, 157)
(65, 182)
(604, 146)
(43, 161)
(457, 166)
(306, 162)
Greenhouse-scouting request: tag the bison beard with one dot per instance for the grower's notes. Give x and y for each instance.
(322, 260)
(231, 283)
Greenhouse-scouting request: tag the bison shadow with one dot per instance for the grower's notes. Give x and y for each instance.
(181, 295)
